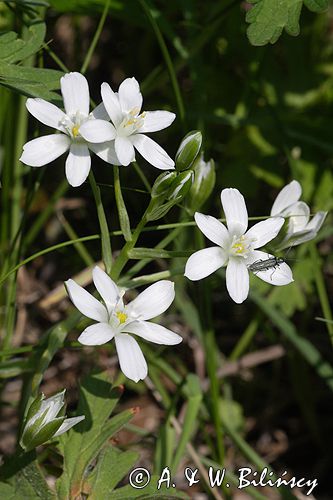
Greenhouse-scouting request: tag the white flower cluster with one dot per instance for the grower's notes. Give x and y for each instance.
(113, 130)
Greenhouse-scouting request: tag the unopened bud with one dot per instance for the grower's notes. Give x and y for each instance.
(181, 185)
(188, 150)
(163, 183)
(203, 184)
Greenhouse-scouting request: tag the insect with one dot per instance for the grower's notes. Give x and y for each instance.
(265, 265)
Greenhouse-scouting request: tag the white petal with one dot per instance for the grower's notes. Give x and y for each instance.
(75, 93)
(53, 405)
(130, 97)
(153, 332)
(280, 275)
(237, 278)
(299, 215)
(153, 301)
(131, 359)
(234, 207)
(97, 334)
(106, 151)
(204, 262)
(124, 150)
(213, 229)
(99, 113)
(107, 288)
(286, 197)
(97, 131)
(265, 231)
(111, 103)
(317, 221)
(85, 302)
(47, 113)
(157, 120)
(68, 424)
(45, 149)
(152, 152)
(78, 164)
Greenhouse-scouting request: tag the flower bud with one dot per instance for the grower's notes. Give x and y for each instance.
(180, 186)
(45, 420)
(188, 150)
(163, 183)
(203, 184)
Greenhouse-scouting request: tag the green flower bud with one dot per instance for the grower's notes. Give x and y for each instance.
(188, 150)
(180, 186)
(45, 420)
(163, 183)
(203, 184)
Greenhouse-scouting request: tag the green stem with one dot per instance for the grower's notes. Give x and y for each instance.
(106, 242)
(322, 292)
(167, 58)
(245, 339)
(94, 42)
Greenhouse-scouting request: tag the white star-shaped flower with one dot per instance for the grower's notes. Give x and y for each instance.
(300, 227)
(117, 320)
(237, 248)
(124, 110)
(43, 150)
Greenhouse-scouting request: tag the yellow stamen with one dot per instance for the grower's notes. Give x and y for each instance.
(122, 317)
(75, 130)
(239, 247)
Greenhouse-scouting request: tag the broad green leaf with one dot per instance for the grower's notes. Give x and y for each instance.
(81, 445)
(32, 82)
(14, 49)
(23, 479)
(112, 466)
(268, 18)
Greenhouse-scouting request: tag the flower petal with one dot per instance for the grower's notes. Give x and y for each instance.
(279, 275)
(85, 302)
(237, 278)
(107, 288)
(44, 149)
(130, 97)
(68, 424)
(97, 334)
(153, 301)
(234, 207)
(111, 103)
(153, 332)
(204, 262)
(152, 152)
(299, 215)
(75, 93)
(124, 150)
(99, 113)
(286, 197)
(317, 221)
(78, 164)
(97, 131)
(46, 113)
(131, 359)
(265, 231)
(213, 229)
(157, 120)
(106, 151)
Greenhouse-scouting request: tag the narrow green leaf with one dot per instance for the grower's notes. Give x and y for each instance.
(122, 212)
(105, 235)
(156, 253)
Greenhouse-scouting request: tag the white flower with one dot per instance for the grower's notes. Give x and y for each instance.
(116, 320)
(124, 110)
(300, 227)
(237, 248)
(43, 150)
(44, 420)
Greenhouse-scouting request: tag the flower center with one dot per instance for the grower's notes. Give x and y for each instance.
(122, 317)
(75, 131)
(132, 122)
(241, 246)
